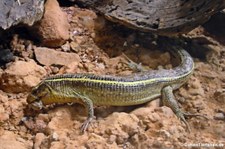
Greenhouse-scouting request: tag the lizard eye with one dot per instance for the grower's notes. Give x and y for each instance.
(34, 102)
(38, 92)
(31, 98)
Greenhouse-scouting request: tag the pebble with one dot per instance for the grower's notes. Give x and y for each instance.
(219, 116)
(75, 47)
(55, 70)
(39, 138)
(112, 138)
(3, 117)
(55, 136)
(66, 47)
(157, 144)
(3, 98)
(165, 134)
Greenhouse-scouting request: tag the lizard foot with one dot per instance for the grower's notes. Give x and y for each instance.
(181, 115)
(86, 124)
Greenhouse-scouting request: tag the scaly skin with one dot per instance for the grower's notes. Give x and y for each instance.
(134, 89)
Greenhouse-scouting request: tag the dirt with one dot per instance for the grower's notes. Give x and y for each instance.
(100, 46)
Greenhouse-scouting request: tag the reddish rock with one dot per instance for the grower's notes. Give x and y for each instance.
(3, 115)
(47, 57)
(21, 76)
(9, 144)
(39, 139)
(9, 140)
(53, 29)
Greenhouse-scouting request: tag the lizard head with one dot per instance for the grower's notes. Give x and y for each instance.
(36, 96)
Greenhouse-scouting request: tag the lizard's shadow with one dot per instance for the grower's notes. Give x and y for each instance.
(100, 111)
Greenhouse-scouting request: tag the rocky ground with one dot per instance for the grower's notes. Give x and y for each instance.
(93, 45)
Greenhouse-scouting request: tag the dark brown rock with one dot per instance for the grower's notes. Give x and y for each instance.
(166, 17)
(5, 56)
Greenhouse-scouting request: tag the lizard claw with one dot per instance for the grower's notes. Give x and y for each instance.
(186, 114)
(86, 124)
(181, 115)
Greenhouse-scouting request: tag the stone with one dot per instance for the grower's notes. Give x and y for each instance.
(97, 141)
(47, 57)
(5, 56)
(66, 47)
(151, 16)
(196, 87)
(60, 121)
(143, 112)
(39, 138)
(219, 116)
(3, 115)
(120, 125)
(21, 76)
(75, 47)
(27, 12)
(58, 145)
(53, 29)
(9, 140)
(9, 144)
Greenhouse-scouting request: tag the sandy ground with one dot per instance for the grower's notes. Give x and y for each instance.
(100, 46)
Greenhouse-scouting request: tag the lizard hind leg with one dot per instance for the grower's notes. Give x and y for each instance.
(168, 100)
(133, 65)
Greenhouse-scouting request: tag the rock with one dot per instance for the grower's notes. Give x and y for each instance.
(53, 29)
(75, 47)
(195, 87)
(96, 141)
(39, 138)
(9, 140)
(20, 76)
(3, 97)
(3, 115)
(219, 96)
(47, 57)
(151, 16)
(54, 136)
(71, 68)
(10, 144)
(143, 113)
(5, 56)
(219, 116)
(59, 145)
(165, 134)
(66, 47)
(13, 13)
(166, 111)
(61, 121)
(121, 125)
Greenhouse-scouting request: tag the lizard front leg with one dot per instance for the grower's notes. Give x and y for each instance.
(90, 109)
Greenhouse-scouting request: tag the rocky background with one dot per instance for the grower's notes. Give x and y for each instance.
(71, 39)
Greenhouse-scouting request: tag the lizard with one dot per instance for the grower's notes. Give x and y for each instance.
(134, 89)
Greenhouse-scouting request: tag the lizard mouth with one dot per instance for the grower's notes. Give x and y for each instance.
(37, 105)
